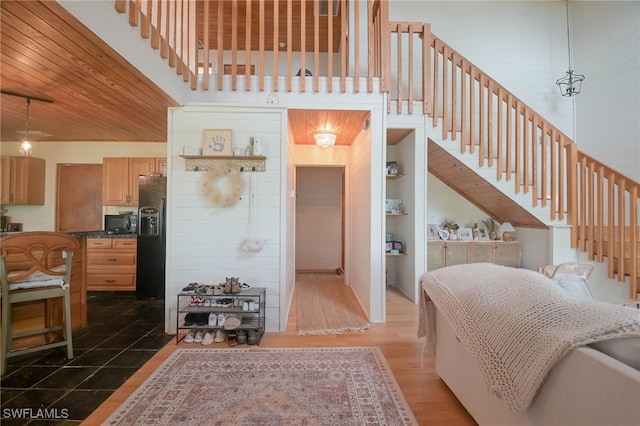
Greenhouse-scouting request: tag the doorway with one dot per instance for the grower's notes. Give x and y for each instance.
(79, 197)
(320, 219)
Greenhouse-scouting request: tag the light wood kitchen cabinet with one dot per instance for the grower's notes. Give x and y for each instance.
(22, 180)
(111, 264)
(120, 178)
(448, 253)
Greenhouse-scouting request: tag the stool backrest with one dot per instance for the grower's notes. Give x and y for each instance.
(33, 252)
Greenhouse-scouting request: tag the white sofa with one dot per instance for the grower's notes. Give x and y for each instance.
(597, 384)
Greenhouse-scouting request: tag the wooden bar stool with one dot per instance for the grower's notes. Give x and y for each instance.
(42, 273)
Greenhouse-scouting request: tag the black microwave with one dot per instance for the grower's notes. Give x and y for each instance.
(121, 223)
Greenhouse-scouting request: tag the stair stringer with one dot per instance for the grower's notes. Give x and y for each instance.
(471, 160)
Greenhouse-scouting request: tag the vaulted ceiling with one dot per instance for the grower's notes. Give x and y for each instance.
(97, 95)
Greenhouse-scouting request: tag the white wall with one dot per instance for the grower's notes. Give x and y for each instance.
(42, 218)
(520, 44)
(204, 239)
(606, 37)
(361, 193)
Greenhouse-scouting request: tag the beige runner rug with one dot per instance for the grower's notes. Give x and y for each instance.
(325, 305)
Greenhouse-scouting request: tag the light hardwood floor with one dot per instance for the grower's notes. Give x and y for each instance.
(430, 399)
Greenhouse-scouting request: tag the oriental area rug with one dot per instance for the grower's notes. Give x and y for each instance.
(292, 386)
(325, 305)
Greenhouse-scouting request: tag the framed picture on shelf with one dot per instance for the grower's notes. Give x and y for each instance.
(465, 234)
(217, 142)
(443, 234)
(432, 232)
(483, 234)
(394, 206)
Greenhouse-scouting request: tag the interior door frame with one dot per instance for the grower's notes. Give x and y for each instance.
(341, 270)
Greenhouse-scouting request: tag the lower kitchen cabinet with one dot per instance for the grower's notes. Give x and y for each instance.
(111, 264)
(448, 253)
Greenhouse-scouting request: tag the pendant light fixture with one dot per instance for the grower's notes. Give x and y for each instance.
(325, 139)
(25, 148)
(571, 83)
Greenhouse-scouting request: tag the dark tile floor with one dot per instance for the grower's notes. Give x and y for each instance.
(47, 388)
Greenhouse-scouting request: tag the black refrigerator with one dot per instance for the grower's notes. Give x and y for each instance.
(151, 256)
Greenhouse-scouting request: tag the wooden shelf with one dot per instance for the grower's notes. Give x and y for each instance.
(396, 176)
(246, 163)
(397, 214)
(396, 254)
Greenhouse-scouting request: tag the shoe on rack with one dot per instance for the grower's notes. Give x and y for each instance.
(207, 303)
(220, 336)
(227, 285)
(245, 305)
(232, 338)
(190, 336)
(221, 319)
(201, 319)
(207, 339)
(252, 306)
(241, 339)
(252, 337)
(199, 336)
(232, 322)
(213, 320)
(190, 319)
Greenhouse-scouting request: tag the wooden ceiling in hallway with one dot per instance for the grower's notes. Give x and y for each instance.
(303, 123)
(478, 191)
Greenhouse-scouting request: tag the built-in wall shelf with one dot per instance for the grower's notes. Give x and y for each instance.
(394, 176)
(245, 163)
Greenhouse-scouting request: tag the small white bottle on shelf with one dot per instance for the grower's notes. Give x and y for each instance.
(257, 146)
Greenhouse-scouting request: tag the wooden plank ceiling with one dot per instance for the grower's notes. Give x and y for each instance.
(303, 123)
(97, 95)
(478, 191)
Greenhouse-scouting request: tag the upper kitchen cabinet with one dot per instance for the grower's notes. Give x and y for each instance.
(22, 181)
(120, 178)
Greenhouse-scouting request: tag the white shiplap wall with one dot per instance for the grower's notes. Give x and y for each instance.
(203, 239)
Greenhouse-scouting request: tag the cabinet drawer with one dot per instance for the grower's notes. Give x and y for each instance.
(106, 282)
(124, 244)
(111, 259)
(100, 243)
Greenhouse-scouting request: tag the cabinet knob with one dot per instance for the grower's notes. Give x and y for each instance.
(112, 259)
(111, 281)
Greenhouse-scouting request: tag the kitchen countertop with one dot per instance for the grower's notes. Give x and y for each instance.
(100, 234)
(88, 234)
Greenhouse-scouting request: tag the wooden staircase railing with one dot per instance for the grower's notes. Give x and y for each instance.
(523, 147)
(244, 43)
(414, 66)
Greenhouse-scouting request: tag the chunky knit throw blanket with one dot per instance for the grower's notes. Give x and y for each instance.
(516, 324)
